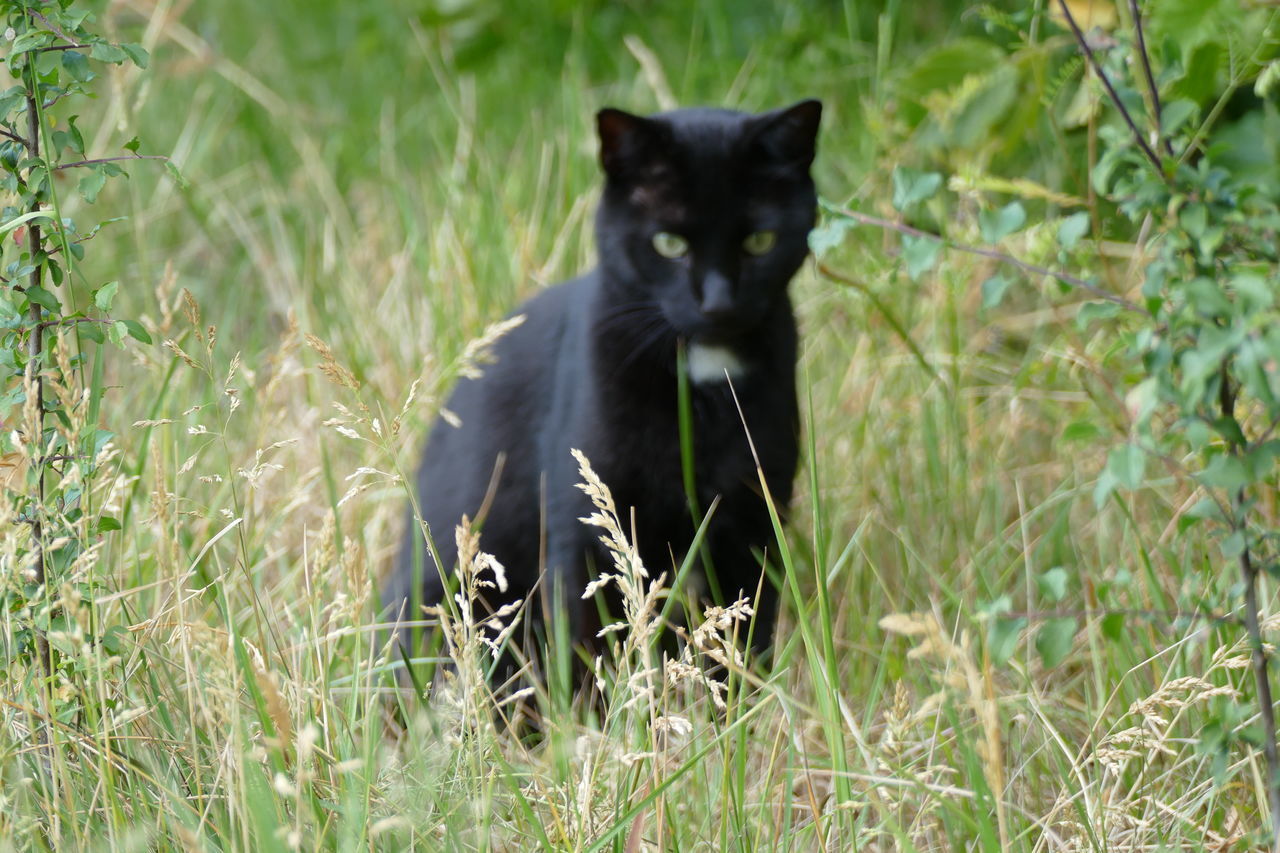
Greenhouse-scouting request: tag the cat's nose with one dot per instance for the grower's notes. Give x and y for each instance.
(717, 298)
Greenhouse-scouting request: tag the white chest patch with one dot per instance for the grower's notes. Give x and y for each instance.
(712, 364)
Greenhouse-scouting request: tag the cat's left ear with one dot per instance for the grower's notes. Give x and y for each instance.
(789, 136)
(628, 143)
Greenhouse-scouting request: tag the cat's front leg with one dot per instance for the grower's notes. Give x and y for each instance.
(738, 555)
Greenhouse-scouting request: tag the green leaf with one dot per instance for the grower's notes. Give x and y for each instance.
(1091, 311)
(1053, 583)
(114, 638)
(1113, 627)
(920, 253)
(1002, 637)
(1084, 431)
(829, 234)
(30, 40)
(910, 187)
(108, 523)
(1127, 464)
(1071, 229)
(137, 54)
(1175, 114)
(993, 290)
(91, 331)
(133, 145)
(1225, 472)
(44, 299)
(77, 65)
(136, 331)
(998, 224)
(1054, 639)
(91, 184)
(1253, 290)
(105, 295)
(176, 174)
(1233, 546)
(116, 332)
(107, 52)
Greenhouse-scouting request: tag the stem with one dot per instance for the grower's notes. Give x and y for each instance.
(110, 160)
(1146, 71)
(1261, 674)
(1033, 269)
(1111, 91)
(34, 375)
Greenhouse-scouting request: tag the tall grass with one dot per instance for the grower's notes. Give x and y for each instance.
(389, 181)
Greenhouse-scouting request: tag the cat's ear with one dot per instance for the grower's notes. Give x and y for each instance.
(628, 143)
(789, 136)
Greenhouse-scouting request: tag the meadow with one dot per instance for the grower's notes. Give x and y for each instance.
(973, 652)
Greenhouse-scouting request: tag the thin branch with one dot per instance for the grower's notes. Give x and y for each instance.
(15, 137)
(1032, 269)
(54, 28)
(1151, 79)
(886, 313)
(1111, 91)
(34, 375)
(109, 160)
(1258, 656)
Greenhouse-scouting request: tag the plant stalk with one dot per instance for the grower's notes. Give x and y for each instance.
(1253, 627)
(34, 375)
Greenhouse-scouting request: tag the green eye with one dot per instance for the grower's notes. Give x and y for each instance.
(759, 242)
(669, 245)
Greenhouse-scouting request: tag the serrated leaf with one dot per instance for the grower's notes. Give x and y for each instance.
(1054, 640)
(994, 289)
(1053, 583)
(1071, 229)
(91, 184)
(920, 253)
(911, 186)
(106, 52)
(77, 65)
(116, 332)
(105, 295)
(829, 234)
(998, 224)
(30, 40)
(137, 54)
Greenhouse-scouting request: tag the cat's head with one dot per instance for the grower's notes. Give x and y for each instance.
(707, 212)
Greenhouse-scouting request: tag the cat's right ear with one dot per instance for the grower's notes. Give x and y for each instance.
(628, 143)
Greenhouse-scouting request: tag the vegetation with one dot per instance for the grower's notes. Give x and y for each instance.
(1040, 392)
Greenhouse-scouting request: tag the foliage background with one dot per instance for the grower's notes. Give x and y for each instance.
(390, 177)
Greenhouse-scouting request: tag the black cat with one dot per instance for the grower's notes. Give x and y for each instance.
(704, 220)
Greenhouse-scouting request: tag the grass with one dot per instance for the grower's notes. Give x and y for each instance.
(391, 180)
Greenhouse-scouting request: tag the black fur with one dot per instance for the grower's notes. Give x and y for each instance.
(594, 367)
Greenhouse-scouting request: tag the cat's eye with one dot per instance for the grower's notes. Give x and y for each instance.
(759, 242)
(670, 245)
